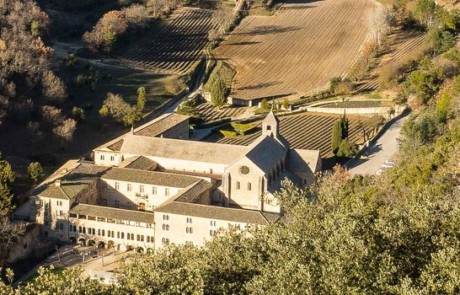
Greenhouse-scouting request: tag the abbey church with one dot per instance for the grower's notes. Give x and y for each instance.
(153, 186)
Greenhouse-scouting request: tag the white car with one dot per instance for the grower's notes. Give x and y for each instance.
(388, 164)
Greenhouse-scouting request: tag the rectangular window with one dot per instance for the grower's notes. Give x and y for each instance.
(101, 219)
(117, 185)
(249, 186)
(122, 235)
(213, 223)
(189, 219)
(165, 226)
(165, 217)
(141, 189)
(154, 190)
(212, 233)
(130, 187)
(189, 230)
(112, 158)
(91, 218)
(98, 231)
(166, 192)
(102, 157)
(237, 185)
(73, 215)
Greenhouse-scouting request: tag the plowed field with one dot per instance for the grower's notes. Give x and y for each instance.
(302, 131)
(176, 46)
(297, 50)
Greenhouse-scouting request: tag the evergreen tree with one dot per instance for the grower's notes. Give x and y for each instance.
(218, 92)
(7, 177)
(35, 169)
(141, 99)
(337, 133)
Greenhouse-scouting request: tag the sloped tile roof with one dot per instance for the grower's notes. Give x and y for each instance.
(265, 153)
(71, 183)
(191, 194)
(139, 162)
(113, 213)
(162, 124)
(150, 177)
(182, 149)
(219, 213)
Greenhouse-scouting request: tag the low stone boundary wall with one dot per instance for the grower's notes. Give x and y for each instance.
(384, 111)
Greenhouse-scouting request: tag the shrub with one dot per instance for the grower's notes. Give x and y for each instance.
(443, 111)
(242, 129)
(78, 114)
(347, 149)
(228, 133)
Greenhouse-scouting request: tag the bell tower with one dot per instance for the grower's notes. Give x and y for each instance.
(270, 125)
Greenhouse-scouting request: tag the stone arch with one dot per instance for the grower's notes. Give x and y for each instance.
(140, 249)
(101, 244)
(110, 244)
(150, 251)
(82, 242)
(90, 243)
(73, 240)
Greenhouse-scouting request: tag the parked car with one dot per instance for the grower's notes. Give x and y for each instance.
(388, 163)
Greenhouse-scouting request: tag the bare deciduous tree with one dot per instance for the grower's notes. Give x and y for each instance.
(377, 21)
(66, 129)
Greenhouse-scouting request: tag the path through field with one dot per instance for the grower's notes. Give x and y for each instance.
(297, 50)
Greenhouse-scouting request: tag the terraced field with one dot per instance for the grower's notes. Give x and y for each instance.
(405, 45)
(297, 50)
(302, 131)
(211, 113)
(176, 46)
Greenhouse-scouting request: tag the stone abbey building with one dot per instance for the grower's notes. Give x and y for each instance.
(154, 186)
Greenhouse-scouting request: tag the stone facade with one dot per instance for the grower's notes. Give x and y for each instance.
(143, 191)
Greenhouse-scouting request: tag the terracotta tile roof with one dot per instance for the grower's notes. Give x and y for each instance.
(113, 213)
(219, 213)
(150, 177)
(160, 125)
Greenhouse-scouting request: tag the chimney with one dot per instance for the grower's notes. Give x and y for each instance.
(57, 182)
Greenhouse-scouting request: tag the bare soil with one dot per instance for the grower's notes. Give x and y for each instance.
(298, 49)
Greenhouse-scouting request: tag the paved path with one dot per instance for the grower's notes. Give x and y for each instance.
(383, 149)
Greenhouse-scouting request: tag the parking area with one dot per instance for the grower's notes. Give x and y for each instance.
(90, 258)
(379, 156)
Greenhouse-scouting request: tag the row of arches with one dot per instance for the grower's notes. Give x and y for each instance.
(110, 244)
